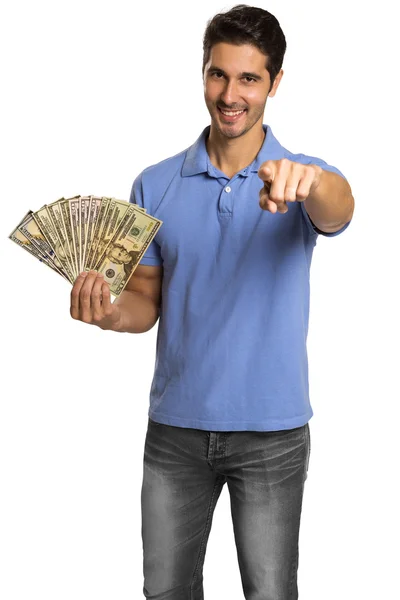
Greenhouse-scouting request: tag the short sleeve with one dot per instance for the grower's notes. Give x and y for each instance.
(152, 256)
(313, 160)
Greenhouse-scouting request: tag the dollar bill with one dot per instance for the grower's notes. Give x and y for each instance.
(54, 210)
(84, 217)
(95, 203)
(66, 223)
(33, 233)
(96, 233)
(74, 213)
(102, 230)
(88, 232)
(45, 223)
(118, 210)
(22, 241)
(128, 245)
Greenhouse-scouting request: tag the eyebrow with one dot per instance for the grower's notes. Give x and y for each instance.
(213, 68)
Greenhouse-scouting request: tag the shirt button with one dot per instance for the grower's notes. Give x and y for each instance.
(227, 189)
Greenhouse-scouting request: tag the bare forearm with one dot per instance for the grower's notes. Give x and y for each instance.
(138, 313)
(331, 204)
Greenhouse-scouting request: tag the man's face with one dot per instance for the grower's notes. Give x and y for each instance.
(236, 79)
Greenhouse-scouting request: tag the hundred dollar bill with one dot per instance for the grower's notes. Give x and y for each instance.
(33, 233)
(45, 223)
(118, 210)
(124, 252)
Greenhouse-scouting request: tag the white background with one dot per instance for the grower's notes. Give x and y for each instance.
(92, 93)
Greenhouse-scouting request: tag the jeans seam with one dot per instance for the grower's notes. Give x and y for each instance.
(307, 439)
(202, 543)
(293, 573)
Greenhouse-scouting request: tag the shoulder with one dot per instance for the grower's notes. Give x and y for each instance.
(151, 184)
(165, 168)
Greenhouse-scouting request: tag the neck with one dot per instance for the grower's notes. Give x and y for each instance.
(231, 155)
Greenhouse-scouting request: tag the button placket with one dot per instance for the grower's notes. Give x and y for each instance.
(226, 201)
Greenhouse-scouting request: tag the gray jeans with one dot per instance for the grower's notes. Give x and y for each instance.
(183, 474)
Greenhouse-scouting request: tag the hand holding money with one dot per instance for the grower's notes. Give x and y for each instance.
(91, 302)
(89, 233)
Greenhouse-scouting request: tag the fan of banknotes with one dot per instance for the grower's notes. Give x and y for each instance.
(86, 233)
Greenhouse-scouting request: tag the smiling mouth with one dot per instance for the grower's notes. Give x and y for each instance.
(231, 115)
(231, 112)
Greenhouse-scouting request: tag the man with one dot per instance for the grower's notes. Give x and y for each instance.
(228, 275)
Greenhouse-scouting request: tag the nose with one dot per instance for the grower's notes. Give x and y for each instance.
(230, 95)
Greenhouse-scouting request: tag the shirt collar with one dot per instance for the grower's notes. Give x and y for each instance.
(197, 159)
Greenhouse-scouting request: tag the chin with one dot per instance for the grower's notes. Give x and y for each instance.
(233, 132)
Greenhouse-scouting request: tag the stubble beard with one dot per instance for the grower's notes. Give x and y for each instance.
(230, 133)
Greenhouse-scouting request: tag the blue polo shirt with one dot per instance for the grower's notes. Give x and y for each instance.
(231, 346)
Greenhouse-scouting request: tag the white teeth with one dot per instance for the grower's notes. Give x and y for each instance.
(231, 113)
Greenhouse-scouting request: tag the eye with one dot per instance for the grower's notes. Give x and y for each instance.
(217, 74)
(249, 79)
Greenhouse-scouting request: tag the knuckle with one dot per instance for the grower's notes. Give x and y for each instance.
(277, 198)
(283, 163)
(302, 195)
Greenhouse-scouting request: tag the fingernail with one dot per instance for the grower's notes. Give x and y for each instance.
(84, 273)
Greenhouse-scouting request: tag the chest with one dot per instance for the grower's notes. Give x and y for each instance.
(221, 221)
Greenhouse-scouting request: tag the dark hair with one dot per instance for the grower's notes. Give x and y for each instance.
(244, 24)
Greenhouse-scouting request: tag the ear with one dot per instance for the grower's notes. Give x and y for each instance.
(276, 84)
